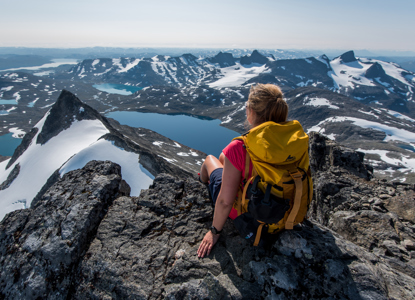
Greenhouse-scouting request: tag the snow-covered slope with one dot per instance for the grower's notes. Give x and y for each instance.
(350, 74)
(387, 136)
(363, 79)
(69, 148)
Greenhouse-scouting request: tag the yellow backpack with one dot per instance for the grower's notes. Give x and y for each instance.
(279, 191)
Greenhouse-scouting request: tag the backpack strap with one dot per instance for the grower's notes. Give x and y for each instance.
(297, 177)
(258, 233)
(242, 190)
(243, 201)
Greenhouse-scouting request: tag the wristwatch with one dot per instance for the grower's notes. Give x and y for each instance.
(215, 231)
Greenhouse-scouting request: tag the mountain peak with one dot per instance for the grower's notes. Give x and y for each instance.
(348, 57)
(223, 59)
(375, 70)
(67, 109)
(255, 57)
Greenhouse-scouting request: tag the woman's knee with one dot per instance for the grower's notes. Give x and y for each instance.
(222, 158)
(211, 163)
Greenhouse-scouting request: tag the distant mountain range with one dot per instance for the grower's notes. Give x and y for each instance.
(367, 104)
(366, 80)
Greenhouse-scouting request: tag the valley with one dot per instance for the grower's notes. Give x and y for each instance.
(366, 104)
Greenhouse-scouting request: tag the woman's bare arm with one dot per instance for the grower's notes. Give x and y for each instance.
(231, 178)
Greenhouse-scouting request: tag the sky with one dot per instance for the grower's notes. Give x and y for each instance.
(273, 24)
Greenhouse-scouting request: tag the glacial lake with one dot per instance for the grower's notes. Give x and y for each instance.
(201, 134)
(4, 101)
(204, 135)
(120, 89)
(8, 144)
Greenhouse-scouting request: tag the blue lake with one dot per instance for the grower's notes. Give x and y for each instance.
(8, 144)
(119, 89)
(203, 135)
(4, 101)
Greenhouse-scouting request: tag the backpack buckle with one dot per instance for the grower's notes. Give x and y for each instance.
(295, 174)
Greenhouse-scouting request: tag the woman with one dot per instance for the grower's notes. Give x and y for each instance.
(265, 103)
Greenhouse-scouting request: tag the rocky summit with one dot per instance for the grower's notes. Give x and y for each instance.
(86, 238)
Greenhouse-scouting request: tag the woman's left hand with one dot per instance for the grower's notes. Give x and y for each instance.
(207, 244)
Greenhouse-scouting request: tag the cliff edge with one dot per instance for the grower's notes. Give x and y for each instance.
(87, 239)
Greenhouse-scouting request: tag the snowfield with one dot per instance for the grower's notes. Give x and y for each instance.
(237, 75)
(349, 74)
(405, 163)
(392, 133)
(72, 149)
(319, 102)
(132, 172)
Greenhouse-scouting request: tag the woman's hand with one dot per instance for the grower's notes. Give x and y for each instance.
(207, 244)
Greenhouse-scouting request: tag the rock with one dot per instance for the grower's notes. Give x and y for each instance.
(223, 59)
(86, 238)
(67, 109)
(255, 57)
(12, 176)
(27, 139)
(41, 246)
(403, 205)
(409, 245)
(348, 57)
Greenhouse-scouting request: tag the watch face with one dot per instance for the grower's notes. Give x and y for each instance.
(214, 230)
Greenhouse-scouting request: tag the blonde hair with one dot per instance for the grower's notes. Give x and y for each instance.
(266, 100)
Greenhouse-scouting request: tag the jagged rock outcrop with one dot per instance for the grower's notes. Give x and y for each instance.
(223, 59)
(376, 215)
(12, 176)
(358, 244)
(27, 139)
(67, 109)
(41, 247)
(255, 57)
(348, 57)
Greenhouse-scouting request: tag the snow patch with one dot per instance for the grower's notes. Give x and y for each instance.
(38, 162)
(237, 75)
(17, 133)
(392, 133)
(132, 171)
(319, 102)
(7, 88)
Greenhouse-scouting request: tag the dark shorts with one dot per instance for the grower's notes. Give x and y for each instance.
(215, 183)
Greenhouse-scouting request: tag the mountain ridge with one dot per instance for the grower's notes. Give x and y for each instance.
(87, 238)
(71, 132)
(377, 92)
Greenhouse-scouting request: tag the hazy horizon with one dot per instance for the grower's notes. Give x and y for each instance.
(266, 24)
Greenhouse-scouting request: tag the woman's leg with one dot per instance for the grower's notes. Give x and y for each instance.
(210, 164)
(222, 158)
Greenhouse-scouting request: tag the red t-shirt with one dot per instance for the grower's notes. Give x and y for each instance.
(236, 154)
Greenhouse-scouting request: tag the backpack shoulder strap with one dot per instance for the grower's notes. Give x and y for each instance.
(242, 191)
(296, 176)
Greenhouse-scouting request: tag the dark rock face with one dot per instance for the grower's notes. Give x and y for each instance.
(79, 243)
(27, 139)
(254, 58)
(375, 215)
(348, 57)
(12, 176)
(375, 70)
(326, 154)
(67, 109)
(223, 59)
(41, 246)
